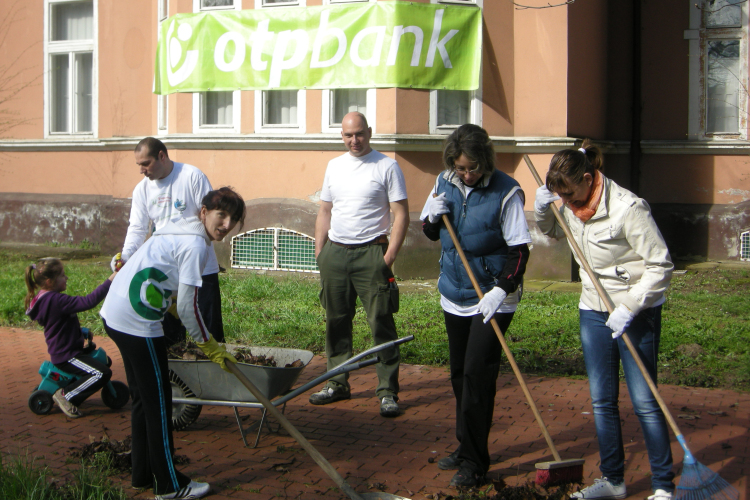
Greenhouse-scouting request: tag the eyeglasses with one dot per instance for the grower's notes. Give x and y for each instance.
(465, 171)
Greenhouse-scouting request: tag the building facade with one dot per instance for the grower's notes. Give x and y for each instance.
(660, 86)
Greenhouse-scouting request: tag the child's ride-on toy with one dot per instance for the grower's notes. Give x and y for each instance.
(115, 394)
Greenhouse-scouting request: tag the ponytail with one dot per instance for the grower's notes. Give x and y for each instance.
(48, 268)
(568, 166)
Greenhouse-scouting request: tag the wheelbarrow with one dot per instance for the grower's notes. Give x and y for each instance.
(203, 382)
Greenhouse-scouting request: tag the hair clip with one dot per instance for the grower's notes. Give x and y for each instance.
(582, 150)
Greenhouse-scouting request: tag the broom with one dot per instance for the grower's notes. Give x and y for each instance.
(548, 473)
(698, 482)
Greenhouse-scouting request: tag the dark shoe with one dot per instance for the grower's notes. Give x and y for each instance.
(329, 394)
(466, 477)
(191, 491)
(451, 462)
(388, 407)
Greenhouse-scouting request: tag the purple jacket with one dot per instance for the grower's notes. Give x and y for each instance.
(57, 313)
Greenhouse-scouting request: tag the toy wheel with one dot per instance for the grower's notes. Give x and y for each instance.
(40, 402)
(182, 414)
(118, 400)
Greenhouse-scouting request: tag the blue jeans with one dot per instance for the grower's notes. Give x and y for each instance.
(603, 354)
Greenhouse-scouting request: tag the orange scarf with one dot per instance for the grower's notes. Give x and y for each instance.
(588, 210)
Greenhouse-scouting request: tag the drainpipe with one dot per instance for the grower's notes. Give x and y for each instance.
(635, 132)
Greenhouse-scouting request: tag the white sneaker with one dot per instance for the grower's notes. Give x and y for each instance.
(192, 490)
(661, 495)
(602, 489)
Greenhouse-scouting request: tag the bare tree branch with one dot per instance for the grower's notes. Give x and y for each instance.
(548, 6)
(710, 11)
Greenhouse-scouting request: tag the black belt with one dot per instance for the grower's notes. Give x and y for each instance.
(380, 240)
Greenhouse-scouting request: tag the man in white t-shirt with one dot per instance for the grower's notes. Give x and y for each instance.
(172, 189)
(355, 256)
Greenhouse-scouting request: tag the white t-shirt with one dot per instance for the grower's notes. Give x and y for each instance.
(361, 190)
(143, 290)
(515, 232)
(178, 194)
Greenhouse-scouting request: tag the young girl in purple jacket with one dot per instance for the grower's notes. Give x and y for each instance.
(57, 313)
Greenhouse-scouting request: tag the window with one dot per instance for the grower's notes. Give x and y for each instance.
(70, 36)
(163, 9)
(339, 102)
(274, 249)
(745, 246)
(331, 2)
(216, 112)
(161, 100)
(718, 67)
(259, 4)
(281, 111)
(450, 109)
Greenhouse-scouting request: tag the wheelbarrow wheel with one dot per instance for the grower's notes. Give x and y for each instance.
(183, 415)
(118, 400)
(40, 402)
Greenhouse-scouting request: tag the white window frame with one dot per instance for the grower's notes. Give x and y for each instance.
(475, 106)
(162, 101)
(289, 3)
(70, 47)
(327, 101)
(261, 128)
(334, 2)
(198, 126)
(698, 37)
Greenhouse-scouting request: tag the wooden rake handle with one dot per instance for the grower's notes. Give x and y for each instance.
(500, 337)
(309, 448)
(608, 302)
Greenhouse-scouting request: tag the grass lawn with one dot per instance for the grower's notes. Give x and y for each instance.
(705, 334)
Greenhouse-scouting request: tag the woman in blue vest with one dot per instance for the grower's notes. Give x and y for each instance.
(485, 207)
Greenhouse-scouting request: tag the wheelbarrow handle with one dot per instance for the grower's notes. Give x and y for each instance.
(377, 348)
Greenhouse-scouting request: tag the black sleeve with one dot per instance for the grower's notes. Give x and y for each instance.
(431, 229)
(515, 266)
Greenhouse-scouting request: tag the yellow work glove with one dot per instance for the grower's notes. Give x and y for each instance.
(216, 353)
(173, 310)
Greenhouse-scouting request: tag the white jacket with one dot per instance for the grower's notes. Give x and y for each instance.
(623, 246)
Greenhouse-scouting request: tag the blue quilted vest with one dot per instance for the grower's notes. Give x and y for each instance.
(476, 220)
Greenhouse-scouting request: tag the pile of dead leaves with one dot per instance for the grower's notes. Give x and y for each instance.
(498, 490)
(191, 352)
(116, 453)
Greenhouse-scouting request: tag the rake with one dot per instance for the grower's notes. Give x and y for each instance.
(698, 482)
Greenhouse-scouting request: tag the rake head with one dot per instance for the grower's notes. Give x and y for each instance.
(698, 482)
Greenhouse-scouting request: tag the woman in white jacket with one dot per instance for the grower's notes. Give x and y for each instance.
(170, 263)
(621, 242)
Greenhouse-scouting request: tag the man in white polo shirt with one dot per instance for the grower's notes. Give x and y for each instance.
(171, 189)
(355, 256)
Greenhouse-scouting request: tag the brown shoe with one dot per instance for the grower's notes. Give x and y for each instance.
(66, 406)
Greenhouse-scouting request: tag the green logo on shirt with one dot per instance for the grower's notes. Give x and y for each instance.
(146, 294)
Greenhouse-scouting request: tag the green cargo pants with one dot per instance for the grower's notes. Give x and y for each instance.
(348, 273)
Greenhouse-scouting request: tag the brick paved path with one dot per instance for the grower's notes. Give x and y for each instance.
(367, 449)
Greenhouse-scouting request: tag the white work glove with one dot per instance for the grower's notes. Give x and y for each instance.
(437, 206)
(117, 262)
(619, 320)
(544, 197)
(491, 302)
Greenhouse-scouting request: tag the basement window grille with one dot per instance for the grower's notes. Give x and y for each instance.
(745, 245)
(274, 249)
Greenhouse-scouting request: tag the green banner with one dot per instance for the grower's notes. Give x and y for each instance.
(364, 45)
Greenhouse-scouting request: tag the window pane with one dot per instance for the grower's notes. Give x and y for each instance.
(722, 86)
(216, 3)
(59, 73)
(345, 101)
(84, 87)
(723, 13)
(217, 108)
(163, 9)
(162, 114)
(271, 2)
(72, 21)
(281, 107)
(453, 107)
